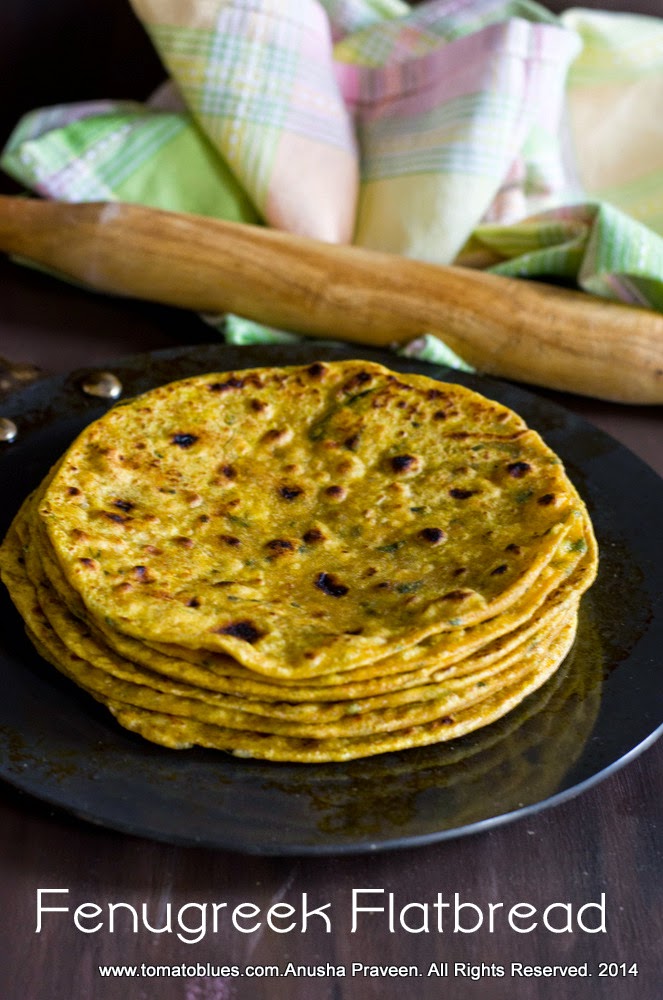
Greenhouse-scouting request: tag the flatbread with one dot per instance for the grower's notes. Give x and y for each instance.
(309, 564)
(306, 520)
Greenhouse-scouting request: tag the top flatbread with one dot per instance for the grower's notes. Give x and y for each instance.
(307, 520)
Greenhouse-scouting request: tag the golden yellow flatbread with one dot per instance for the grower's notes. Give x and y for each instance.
(310, 564)
(95, 667)
(179, 732)
(305, 519)
(557, 585)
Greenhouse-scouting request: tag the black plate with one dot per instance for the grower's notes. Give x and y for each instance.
(600, 710)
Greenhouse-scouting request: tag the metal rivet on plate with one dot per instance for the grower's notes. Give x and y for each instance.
(8, 430)
(102, 384)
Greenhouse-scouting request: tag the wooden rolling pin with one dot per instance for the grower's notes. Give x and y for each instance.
(517, 329)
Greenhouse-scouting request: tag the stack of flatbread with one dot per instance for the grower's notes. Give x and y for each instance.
(307, 564)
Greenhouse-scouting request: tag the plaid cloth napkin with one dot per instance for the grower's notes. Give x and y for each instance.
(486, 132)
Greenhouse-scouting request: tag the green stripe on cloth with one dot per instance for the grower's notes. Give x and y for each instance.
(154, 158)
(603, 250)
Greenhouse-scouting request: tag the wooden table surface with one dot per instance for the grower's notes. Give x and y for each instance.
(608, 840)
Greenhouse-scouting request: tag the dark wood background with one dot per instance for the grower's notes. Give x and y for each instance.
(608, 840)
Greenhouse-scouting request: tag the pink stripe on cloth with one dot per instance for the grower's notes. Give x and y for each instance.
(453, 123)
(509, 58)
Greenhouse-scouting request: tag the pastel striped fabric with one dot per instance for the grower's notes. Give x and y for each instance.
(486, 132)
(259, 80)
(607, 233)
(124, 151)
(441, 132)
